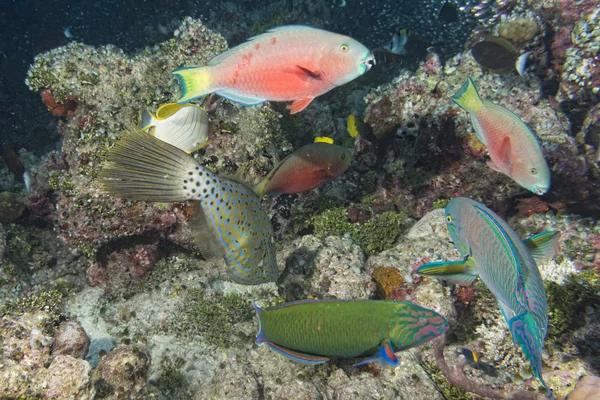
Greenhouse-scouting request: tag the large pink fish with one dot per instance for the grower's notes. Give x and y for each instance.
(291, 63)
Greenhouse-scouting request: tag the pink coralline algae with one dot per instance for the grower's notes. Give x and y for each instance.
(70, 340)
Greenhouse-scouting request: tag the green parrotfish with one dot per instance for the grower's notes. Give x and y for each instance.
(230, 220)
(308, 167)
(513, 148)
(315, 331)
(508, 266)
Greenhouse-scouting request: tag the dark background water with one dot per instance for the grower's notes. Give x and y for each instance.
(30, 27)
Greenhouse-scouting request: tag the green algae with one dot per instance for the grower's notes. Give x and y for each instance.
(21, 244)
(447, 390)
(51, 300)
(377, 234)
(567, 303)
(171, 382)
(210, 316)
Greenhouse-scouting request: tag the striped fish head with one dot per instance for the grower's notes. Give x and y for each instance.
(459, 213)
(344, 59)
(532, 172)
(415, 326)
(243, 231)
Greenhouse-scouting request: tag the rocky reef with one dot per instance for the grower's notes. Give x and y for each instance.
(106, 298)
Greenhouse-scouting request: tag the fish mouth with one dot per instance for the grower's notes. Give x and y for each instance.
(540, 190)
(368, 61)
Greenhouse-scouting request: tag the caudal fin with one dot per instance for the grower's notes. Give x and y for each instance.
(194, 81)
(467, 96)
(141, 167)
(524, 332)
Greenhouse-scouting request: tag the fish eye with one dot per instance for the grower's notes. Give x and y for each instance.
(448, 218)
(533, 171)
(344, 47)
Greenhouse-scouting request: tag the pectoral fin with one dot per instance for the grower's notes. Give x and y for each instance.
(385, 355)
(312, 73)
(461, 272)
(543, 246)
(299, 105)
(298, 356)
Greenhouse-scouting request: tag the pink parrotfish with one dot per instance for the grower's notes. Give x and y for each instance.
(294, 63)
(315, 331)
(508, 266)
(308, 167)
(513, 148)
(229, 219)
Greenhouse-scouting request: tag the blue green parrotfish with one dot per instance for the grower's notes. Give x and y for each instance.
(315, 331)
(507, 265)
(229, 220)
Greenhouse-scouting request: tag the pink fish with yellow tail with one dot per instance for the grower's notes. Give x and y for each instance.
(513, 148)
(293, 63)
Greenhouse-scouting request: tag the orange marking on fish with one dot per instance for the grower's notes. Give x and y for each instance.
(273, 41)
(257, 46)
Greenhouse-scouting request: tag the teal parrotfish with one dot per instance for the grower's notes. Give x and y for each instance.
(508, 266)
(308, 167)
(513, 148)
(315, 331)
(229, 220)
(293, 63)
(184, 126)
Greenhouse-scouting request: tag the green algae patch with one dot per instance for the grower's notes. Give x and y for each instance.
(172, 383)
(211, 316)
(377, 234)
(567, 303)
(448, 391)
(49, 300)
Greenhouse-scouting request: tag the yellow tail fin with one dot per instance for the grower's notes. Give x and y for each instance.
(194, 81)
(467, 97)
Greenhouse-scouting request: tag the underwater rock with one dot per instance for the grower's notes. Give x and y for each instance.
(70, 340)
(519, 29)
(11, 207)
(122, 373)
(234, 381)
(67, 378)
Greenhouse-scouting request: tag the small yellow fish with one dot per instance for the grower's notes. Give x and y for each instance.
(351, 126)
(323, 139)
(182, 125)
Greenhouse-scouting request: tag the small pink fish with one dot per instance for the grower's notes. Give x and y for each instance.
(291, 63)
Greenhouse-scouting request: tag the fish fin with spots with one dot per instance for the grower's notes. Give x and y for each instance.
(142, 167)
(203, 234)
(195, 82)
(147, 120)
(543, 246)
(243, 99)
(462, 272)
(467, 97)
(523, 329)
(299, 105)
(296, 355)
(385, 354)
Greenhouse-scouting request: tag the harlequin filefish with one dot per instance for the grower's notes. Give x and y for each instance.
(507, 265)
(230, 220)
(314, 331)
(513, 148)
(290, 63)
(308, 167)
(183, 126)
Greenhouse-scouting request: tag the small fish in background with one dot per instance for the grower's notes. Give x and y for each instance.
(448, 12)
(399, 40)
(474, 361)
(308, 167)
(498, 54)
(493, 251)
(315, 331)
(293, 63)
(68, 34)
(228, 219)
(356, 127)
(14, 165)
(513, 148)
(183, 126)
